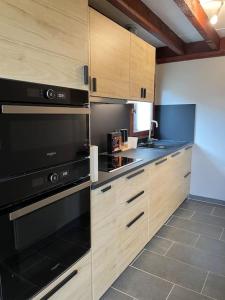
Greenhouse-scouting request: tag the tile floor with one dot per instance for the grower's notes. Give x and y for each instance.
(184, 261)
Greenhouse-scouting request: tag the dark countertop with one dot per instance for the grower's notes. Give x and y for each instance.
(148, 155)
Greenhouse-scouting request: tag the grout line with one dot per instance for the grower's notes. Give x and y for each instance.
(123, 293)
(169, 248)
(196, 241)
(190, 218)
(211, 213)
(207, 275)
(221, 235)
(170, 292)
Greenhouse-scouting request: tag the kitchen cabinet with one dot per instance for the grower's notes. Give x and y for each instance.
(109, 57)
(44, 41)
(77, 283)
(142, 70)
(121, 64)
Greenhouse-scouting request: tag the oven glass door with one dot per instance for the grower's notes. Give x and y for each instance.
(42, 240)
(32, 138)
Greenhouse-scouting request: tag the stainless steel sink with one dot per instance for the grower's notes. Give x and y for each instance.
(160, 145)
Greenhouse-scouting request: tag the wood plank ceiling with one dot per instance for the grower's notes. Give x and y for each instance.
(176, 49)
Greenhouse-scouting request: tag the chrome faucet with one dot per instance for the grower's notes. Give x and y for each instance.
(150, 129)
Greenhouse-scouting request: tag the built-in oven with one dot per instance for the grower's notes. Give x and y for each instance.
(44, 138)
(42, 239)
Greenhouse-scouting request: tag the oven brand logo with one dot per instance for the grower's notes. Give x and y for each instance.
(50, 154)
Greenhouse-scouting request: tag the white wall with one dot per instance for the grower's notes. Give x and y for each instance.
(200, 82)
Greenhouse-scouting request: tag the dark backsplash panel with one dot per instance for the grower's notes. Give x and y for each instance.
(176, 122)
(107, 118)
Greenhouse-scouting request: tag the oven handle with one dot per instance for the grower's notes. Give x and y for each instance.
(49, 200)
(50, 110)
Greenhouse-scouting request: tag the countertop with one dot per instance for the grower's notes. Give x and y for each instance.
(148, 155)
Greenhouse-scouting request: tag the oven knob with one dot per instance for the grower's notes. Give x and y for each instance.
(50, 94)
(54, 177)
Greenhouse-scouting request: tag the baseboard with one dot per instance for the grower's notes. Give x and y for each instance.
(206, 199)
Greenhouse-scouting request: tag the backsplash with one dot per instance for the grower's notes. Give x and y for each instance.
(176, 122)
(107, 118)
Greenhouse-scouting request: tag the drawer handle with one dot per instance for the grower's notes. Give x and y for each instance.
(160, 162)
(135, 174)
(85, 68)
(142, 93)
(188, 174)
(135, 197)
(106, 189)
(175, 154)
(94, 84)
(135, 219)
(145, 92)
(189, 147)
(60, 285)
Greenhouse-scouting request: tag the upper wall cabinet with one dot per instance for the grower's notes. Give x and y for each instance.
(109, 57)
(44, 41)
(142, 70)
(121, 64)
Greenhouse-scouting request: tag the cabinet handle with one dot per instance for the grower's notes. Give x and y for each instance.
(142, 92)
(188, 174)
(86, 74)
(94, 84)
(135, 219)
(145, 92)
(135, 174)
(106, 189)
(189, 147)
(161, 161)
(175, 154)
(60, 285)
(135, 197)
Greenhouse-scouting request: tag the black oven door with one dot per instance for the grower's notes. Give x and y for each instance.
(36, 137)
(40, 241)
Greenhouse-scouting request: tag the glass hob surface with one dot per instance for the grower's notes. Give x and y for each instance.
(110, 163)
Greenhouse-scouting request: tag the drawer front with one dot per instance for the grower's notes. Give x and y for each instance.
(131, 184)
(77, 283)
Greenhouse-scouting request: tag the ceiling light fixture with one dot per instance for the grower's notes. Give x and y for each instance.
(214, 18)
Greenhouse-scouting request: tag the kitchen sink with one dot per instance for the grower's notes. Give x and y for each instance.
(160, 144)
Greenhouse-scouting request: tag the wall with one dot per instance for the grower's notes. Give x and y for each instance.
(200, 82)
(107, 118)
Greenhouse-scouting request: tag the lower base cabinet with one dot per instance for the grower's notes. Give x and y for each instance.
(77, 283)
(128, 212)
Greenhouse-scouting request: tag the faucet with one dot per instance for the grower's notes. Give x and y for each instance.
(150, 129)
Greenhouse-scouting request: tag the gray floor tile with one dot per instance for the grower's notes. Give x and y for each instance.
(142, 285)
(218, 221)
(158, 245)
(112, 294)
(207, 200)
(198, 258)
(171, 270)
(179, 293)
(223, 236)
(211, 245)
(219, 211)
(178, 235)
(183, 213)
(202, 207)
(197, 227)
(215, 287)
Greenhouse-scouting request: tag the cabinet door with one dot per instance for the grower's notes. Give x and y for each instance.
(104, 238)
(109, 57)
(44, 41)
(77, 283)
(142, 69)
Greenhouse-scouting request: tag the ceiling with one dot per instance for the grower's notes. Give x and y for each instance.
(173, 16)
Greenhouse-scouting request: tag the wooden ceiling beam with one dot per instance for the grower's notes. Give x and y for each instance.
(196, 50)
(193, 10)
(141, 14)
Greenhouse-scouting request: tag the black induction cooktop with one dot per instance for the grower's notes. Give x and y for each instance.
(110, 163)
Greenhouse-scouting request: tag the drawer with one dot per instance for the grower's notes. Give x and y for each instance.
(128, 186)
(77, 285)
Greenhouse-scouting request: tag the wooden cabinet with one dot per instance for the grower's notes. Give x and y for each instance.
(44, 41)
(142, 70)
(109, 57)
(121, 64)
(78, 283)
